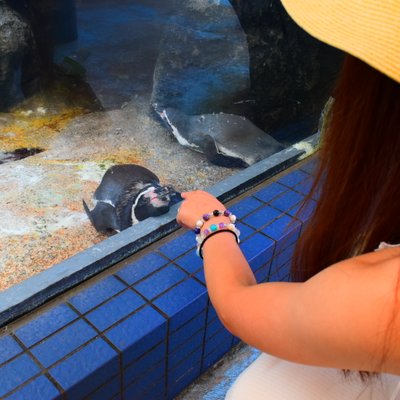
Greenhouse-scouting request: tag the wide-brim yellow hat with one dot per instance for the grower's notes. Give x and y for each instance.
(366, 29)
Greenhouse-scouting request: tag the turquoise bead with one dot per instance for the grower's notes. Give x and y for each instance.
(213, 228)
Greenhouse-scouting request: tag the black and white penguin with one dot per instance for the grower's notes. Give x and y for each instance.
(128, 194)
(227, 140)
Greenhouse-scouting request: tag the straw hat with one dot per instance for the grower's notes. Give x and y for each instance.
(366, 29)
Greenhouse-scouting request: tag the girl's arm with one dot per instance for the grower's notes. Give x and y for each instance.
(343, 317)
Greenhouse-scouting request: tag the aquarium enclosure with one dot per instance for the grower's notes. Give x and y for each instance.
(192, 90)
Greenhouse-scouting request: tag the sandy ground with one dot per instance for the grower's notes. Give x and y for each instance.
(42, 220)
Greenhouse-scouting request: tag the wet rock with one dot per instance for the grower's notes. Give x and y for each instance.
(203, 65)
(291, 72)
(15, 35)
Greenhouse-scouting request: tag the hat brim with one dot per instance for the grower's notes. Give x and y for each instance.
(366, 29)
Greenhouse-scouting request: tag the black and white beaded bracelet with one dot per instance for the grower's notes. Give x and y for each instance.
(202, 236)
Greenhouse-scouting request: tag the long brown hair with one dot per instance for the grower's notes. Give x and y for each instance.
(358, 175)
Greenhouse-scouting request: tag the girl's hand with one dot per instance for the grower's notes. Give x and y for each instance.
(194, 205)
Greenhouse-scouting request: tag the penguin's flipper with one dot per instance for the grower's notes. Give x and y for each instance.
(103, 217)
(210, 148)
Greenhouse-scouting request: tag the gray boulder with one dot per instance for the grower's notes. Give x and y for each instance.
(203, 64)
(15, 35)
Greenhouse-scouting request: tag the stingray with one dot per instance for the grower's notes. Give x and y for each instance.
(227, 140)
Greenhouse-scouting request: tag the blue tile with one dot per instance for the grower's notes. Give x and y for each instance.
(270, 192)
(179, 246)
(245, 231)
(183, 334)
(246, 206)
(211, 313)
(16, 372)
(262, 217)
(107, 391)
(213, 327)
(293, 178)
(86, 370)
(235, 341)
(200, 276)
(148, 380)
(141, 268)
(304, 187)
(261, 275)
(157, 392)
(9, 348)
(145, 363)
(282, 258)
(160, 281)
(190, 262)
(63, 342)
(115, 309)
(187, 348)
(305, 213)
(174, 388)
(191, 366)
(96, 294)
(46, 324)
(138, 333)
(221, 339)
(280, 274)
(287, 201)
(192, 361)
(210, 359)
(182, 302)
(285, 230)
(40, 388)
(258, 250)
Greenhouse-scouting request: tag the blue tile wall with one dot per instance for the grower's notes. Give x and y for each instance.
(147, 381)
(39, 388)
(16, 372)
(160, 281)
(108, 391)
(86, 370)
(46, 324)
(138, 333)
(115, 309)
(145, 266)
(97, 294)
(148, 329)
(156, 355)
(64, 342)
(8, 348)
(185, 332)
(182, 301)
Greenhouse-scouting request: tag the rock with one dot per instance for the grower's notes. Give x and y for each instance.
(291, 72)
(203, 65)
(14, 39)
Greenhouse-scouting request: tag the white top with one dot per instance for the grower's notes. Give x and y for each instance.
(271, 378)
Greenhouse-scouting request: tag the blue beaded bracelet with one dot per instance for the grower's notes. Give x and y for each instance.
(215, 213)
(215, 228)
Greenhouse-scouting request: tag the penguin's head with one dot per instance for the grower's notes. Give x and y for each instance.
(158, 200)
(153, 201)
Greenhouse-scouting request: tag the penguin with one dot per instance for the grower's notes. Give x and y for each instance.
(127, 194)
(227, 140)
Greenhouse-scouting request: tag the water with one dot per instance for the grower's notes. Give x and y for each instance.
(83, 102)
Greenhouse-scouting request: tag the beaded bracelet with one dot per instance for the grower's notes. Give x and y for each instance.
(215, 213)
(213, 229)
